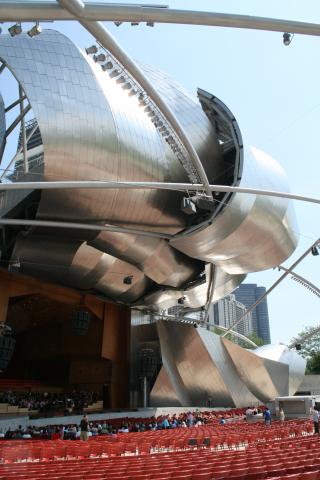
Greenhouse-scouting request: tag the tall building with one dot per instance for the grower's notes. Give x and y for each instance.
(248, 294)
(227, 311)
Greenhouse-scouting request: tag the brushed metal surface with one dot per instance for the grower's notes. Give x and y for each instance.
(252, 232)
(265, 378)
(93, 130)
(159, 261)
(199, 366)
(194, 297)
(283, 354)
(163, 393)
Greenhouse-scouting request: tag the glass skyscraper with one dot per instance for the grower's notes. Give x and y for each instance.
(248, 294)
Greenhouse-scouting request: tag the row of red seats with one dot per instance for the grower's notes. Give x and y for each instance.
(148, 442)
(293, 460)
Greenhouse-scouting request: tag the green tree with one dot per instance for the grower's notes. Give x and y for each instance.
(309, 347)
(313, 364)
(242, 343)
(256, 339)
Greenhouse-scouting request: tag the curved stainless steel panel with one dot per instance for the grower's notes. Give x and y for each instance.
(283, 354)
(92, 129)
(194, 121)
(199, 366)
(265, 378)
(163, 393)
(75, 264)
(189, 366)
(194, 297)
(252, 232)
(153, 256)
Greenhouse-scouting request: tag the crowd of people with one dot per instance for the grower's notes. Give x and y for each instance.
(45, 402)
(74, 432)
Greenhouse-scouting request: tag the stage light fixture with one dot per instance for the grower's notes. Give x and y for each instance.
(287, 39)
(127, 86)
(314, 251)
(187, 206)
(114, 73)
(16, 29)
(35, 30)
(181, 300)
(99, 58)
(121, 79)
(91, 50)
(150, 24)
(128, 280)
(142, 99)
(107, 66)
(117, 23)
(133, 92)
(134, 24)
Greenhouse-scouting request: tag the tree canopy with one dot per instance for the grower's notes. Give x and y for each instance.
(310, 349)
(311, 346)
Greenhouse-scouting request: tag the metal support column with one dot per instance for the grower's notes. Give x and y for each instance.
(23, 132)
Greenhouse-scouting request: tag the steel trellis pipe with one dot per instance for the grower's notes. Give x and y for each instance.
(182, 187)
(286, 273)
(32, 11)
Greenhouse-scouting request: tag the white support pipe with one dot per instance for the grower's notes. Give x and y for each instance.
(81, 226)
(32, 11)
(192, 321)
(182, 187)
(23, 132)
(283, 276)
(304, 281)
(105, 38)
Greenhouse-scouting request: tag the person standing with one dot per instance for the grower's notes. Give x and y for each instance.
(267, 416)
(281, 415)
(315, 418)
(84, 428)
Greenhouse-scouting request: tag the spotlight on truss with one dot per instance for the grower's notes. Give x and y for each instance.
(16, 29)
(35, 30)
(107, 66)
(287, 39)
(133, 92)
(91, 50)
(99, 58)
(115, 73)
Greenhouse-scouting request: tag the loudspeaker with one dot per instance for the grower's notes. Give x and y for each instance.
(7, 345)
(80, 322)
(106, 396)
(148, 362)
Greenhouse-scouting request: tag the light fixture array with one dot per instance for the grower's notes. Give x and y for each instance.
(117, 71)
(133, 24)
(16, 29)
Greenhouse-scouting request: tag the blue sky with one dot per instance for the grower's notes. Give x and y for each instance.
(272, 90)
